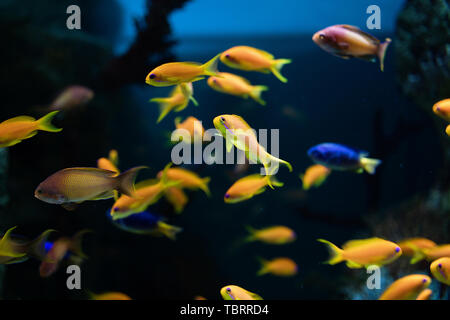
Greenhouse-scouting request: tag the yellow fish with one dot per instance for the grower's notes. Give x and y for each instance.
(187, 179)
(409, 245)
(147, 192)
(425, 295)
(177, 197)
(237, 86)
(447, 130)
(248, 187)
(406, 288)
(347, 42)
(282, 267)
(233, 292)
(14, 250)
(251, 59)
(237, 132)
(14, 130)
(442, 109)
(72, 186)
(193, 127)
(110, 163)
(272, 235)
(363, 253)
(440, 269)
(178, 100)
(174, 73)
(430, 254)
(110, 296)
(314, 176)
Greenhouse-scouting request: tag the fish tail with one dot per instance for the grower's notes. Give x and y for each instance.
(168, 230)
(194, 101)
(6, 247)
(370, 165)
(335, 252)
(256, 92)
(418, 254)
(277, 66)
(210, 68)
(45, 123)
(273, 182)
(36, 247)
(126, 181)
(77, 243)
(251, 237)
(304, 185)
(164, 107)
(382, 48)
(263, 270)
(204, 186)
(114, 157)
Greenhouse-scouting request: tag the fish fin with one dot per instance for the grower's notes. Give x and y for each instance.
(261, 190)
(381, 53)
(204, 186)
(256, 94)
(36, 247)
(370, 58)
(177, 121)
(125, 181)
(255, 296)
(194, 101)
(32, 134)
(19, 119)
(370, 165)
(168, 230)
(70, 206)
(335, 252)
(45, 123)
(76, 245)
(353, 265)
(164, 107)
(358, 242)
(10, 144)
(116, 195)
(210, 67)
(360, 32)
(229, 145)
(418, 255)
(277, 66)
(275, 182)
(113, 156)
(263, 270)
(251, 237)
(6, 247)
(105, 195)
(146, 183)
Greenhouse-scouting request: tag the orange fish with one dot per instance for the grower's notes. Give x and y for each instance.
(177, 197)
(442, 109)
(110, 296)
(14, 130)
(406, 288)
(272, 235)
(191, 129)
(283, 267)
(187, 179)
(409, 245)
(314, 176)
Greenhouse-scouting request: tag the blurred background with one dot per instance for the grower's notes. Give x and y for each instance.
(326, 100)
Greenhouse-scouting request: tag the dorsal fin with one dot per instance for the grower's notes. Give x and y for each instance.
(265, 53)
(19, 118)
(360, 32)
(359, 242)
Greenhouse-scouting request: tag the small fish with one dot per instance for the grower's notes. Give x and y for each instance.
(14, 130)
(251, 59)
(61, 249)
(69, 187)
(110, 163)
(409, 245)
(237, 86)
(178, 100)
(272, 235)
(348, 42)
(442, 109)
(430, 254)
(147, 193)
(447, 130)
(14, 249)
(199, 298)
(314, 176)
(177, 197)
(363, 253)
(406, 288)
(146, 223)
(248, 187)
(193, 129)
(282, 267)
(232, 292)
(238, 133)
(72, 97)
(440, 269)
(339, 157)
(187, 179)
(425, 295)
(110, 296)
(174, 73)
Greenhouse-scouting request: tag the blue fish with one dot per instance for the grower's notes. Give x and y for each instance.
(339, 157)
(145, 223)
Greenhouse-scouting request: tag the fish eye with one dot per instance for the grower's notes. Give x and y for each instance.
(227, 56)
(39, 191)
(227, 195)
(440, 265)
(424, 280)
(152, 76)
(322, 36)
(116, 209)
(397, 249)
(222, 119)
(229, 290)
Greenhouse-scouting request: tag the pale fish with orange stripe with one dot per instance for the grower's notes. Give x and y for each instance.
(406, 288)
(252, 59)
(15, 130)
(363, 253)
